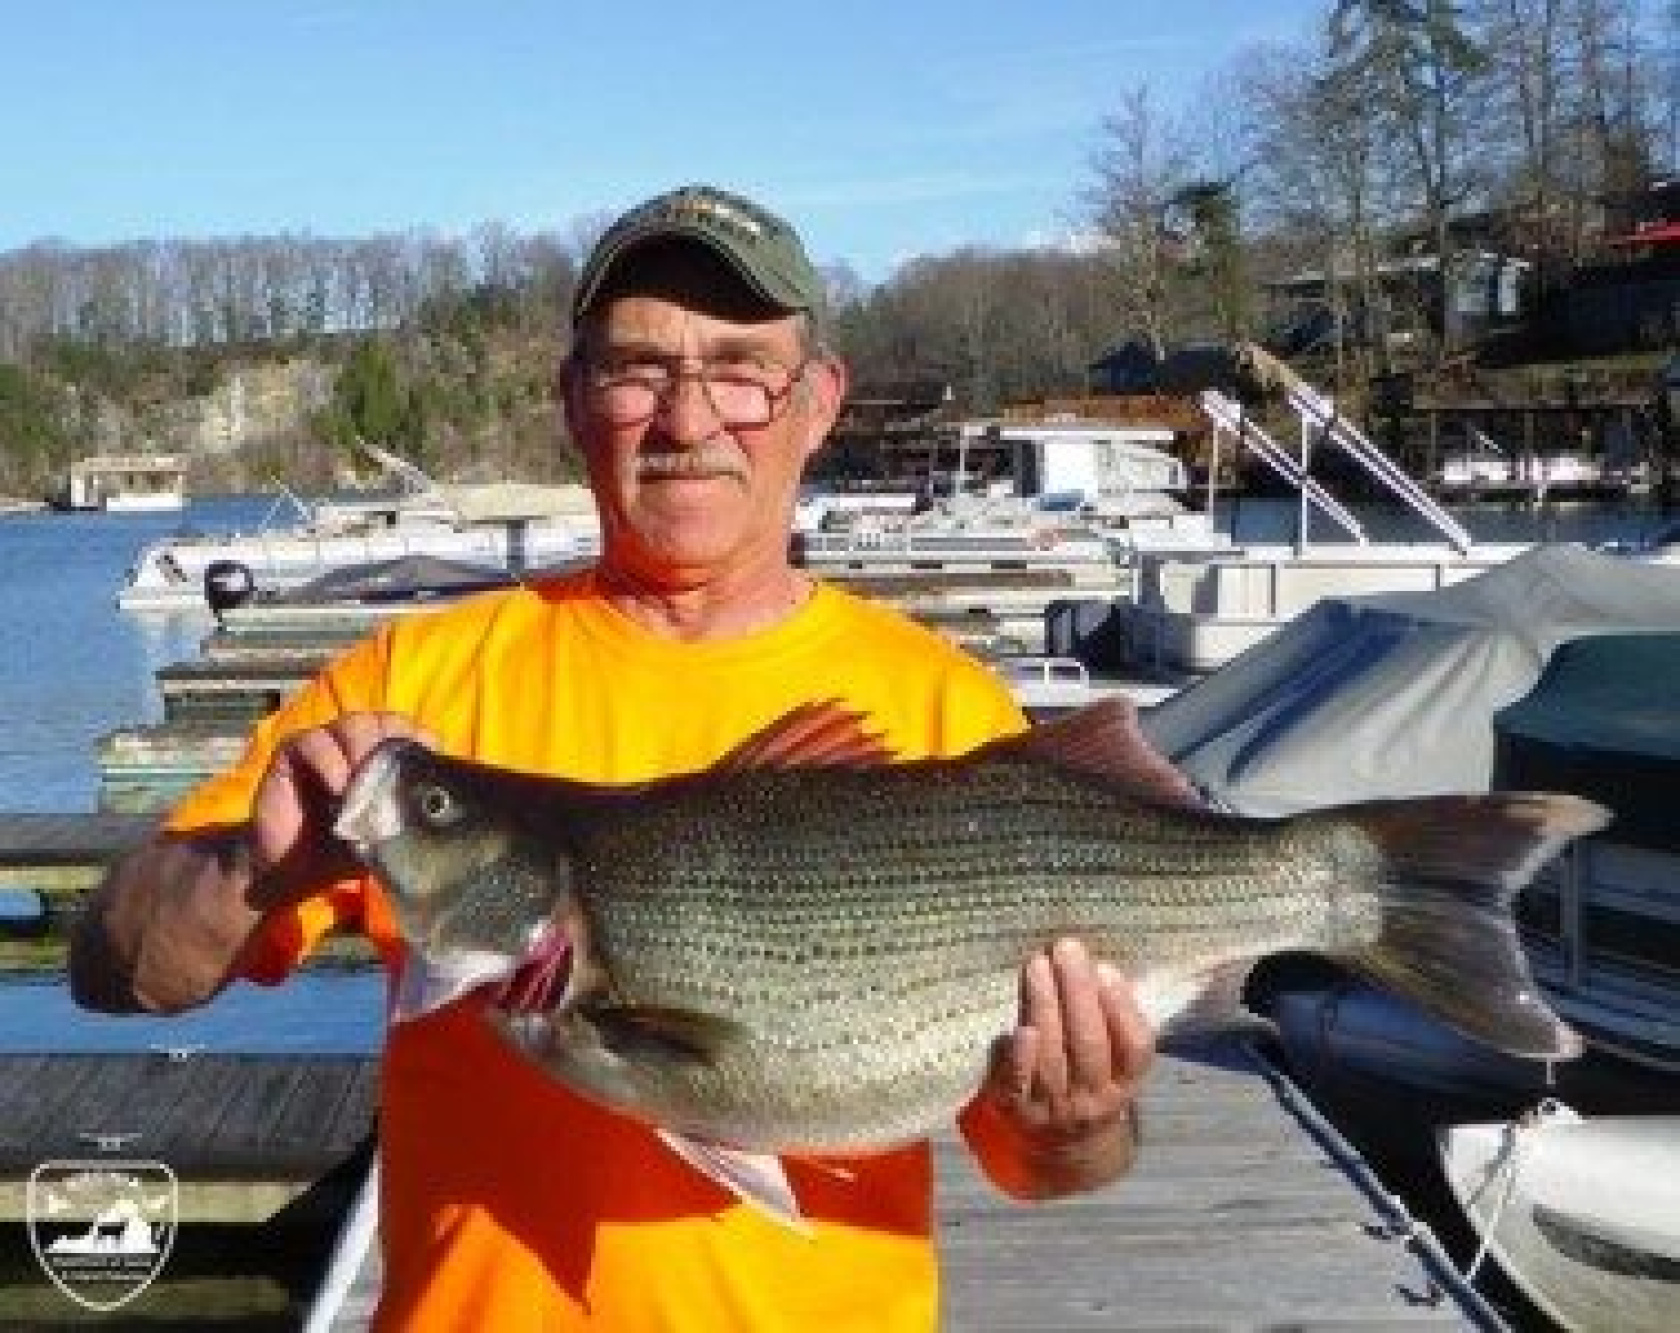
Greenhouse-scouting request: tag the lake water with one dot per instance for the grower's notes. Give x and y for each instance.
(319, 1011)
(72, 666)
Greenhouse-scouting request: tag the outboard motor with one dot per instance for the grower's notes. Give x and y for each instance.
(227, 583)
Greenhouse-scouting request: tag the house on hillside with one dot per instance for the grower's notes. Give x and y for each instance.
(885, 427)
(1631, 298)
(1484, 291)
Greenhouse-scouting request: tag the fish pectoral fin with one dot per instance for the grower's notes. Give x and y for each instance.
(756, 1178)
(682, 1035)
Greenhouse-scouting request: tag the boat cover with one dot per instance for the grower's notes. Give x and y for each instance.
(1604, 722)
(400, 579)
(1395, 694)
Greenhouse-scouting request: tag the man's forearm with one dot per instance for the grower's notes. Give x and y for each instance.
(163, 929)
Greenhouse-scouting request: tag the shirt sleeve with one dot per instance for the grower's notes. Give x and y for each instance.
(352, 682)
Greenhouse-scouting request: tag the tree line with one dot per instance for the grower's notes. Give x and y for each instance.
(1398, 122)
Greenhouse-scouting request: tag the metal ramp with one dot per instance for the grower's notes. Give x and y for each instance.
(1320, 422)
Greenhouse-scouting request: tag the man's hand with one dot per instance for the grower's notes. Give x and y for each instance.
(292, 850)
(1056, 1115)
(165, 927)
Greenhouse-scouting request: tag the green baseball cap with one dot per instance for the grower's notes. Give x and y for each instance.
(761, 248)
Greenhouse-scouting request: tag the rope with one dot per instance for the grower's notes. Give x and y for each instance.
(1504, 1174)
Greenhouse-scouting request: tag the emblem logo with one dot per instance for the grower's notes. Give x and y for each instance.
(102, 1229)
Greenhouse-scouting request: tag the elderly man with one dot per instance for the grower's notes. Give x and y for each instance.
(698, 386)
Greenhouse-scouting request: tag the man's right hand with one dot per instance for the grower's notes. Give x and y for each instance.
(164, 929)
(293, 852)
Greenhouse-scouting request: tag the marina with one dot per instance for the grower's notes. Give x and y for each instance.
(1240, 1166)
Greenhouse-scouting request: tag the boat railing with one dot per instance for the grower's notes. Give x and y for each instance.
(1229, 416)
(1320, 419)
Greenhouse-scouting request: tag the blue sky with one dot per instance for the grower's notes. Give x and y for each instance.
(883, 130)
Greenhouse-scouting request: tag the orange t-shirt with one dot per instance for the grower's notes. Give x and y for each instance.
(508, 1202)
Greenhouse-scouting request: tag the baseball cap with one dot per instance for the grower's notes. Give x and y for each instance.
(762, 249)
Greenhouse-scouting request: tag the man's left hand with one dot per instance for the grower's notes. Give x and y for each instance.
(1060, 1095)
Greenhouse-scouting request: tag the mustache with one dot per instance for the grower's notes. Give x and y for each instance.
(707, 461)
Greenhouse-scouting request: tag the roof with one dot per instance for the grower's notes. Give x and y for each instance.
(1663, 233)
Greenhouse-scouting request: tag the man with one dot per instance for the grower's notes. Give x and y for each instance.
(697, 387)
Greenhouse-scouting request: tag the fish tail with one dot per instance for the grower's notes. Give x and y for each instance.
(1451, 867)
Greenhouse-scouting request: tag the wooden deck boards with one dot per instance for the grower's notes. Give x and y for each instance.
(243, 1133)
(70, 839)
(1237, 1216)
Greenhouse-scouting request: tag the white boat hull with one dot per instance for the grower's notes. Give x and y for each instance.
(169, 575)
(1582, 1214)
(137, 502)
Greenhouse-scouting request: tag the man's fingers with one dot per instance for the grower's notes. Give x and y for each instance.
(1131, 1038)
(356, 734)
(1041, 1011)
(1085, 1022)
(298, 797)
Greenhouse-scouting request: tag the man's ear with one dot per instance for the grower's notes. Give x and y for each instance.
(565, 391)
(828, 379)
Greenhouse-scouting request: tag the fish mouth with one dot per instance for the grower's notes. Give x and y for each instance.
(538, 982)
(364, 817)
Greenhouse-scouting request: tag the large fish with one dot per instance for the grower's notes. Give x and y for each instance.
(809, 950)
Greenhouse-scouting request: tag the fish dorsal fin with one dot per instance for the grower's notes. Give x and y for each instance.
(1104, 740)
(816, 735)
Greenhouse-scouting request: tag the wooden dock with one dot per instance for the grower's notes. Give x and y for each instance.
(1245, 1211)
(245, 1135)
(84, 840)
(60, 856)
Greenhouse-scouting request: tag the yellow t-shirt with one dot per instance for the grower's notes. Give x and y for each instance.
(508, 1202)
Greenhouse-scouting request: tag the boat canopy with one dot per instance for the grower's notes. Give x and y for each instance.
(1604, 723)
(1396, 694)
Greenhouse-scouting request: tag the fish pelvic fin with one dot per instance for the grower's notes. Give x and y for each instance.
(757, 1179)
(1452, 865)
(1104, 740)
(817, 735)
(643, 1033)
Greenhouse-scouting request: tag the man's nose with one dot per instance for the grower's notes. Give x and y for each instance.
(687, 412)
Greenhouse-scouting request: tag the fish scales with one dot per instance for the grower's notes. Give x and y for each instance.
(820, 958)
(898, 873)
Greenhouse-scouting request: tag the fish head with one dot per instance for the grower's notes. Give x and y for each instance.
(462, 859)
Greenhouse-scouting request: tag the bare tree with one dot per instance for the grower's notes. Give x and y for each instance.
(1417, 59)
(1140, 163)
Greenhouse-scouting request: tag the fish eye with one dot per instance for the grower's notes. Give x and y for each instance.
(437, 805)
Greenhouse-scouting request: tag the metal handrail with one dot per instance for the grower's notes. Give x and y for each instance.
(1229, 415)
(1315, 407)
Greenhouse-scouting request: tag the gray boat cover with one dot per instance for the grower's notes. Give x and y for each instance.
(1604, 722)
(1394, 694)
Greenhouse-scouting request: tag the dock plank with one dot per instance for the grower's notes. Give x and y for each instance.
(69, 839)
(208, 1117)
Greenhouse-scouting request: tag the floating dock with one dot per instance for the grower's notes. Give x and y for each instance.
(245, 1135)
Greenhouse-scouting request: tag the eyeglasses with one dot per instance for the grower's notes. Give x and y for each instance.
(743, 391)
